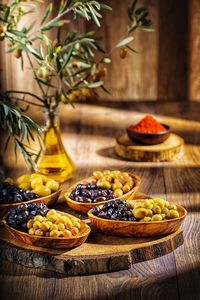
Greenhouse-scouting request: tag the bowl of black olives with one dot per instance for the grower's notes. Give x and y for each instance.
(11, 195)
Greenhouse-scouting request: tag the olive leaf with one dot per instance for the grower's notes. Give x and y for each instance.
(125, 42)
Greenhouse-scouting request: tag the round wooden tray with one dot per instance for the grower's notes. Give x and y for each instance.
(98, 254)
(171, 149)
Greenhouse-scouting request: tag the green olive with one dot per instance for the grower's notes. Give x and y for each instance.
(148, 204)
(165, 211)
(172, 206)
(105, 184)
(156, 209)
(42, 190)
(118, 193)
(140, 213)
(115, 173)
(156, 217)
(53, 185)
(106, 172)
(173, 214)
(107, 178)
(160, 202)
(163, 216)
(146, 219)
(131, 183)
(98, 174)
(138, 204)
(166, 203)
(126, 188)
(117, 185)
(150, 212)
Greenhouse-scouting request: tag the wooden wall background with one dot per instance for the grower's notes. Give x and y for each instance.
(166, 68)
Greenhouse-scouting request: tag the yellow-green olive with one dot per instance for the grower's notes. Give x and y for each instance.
(165, 211)
(150, 212)
(172, 206)
(38, 232)
(140, 213)
(118, 193)
(44, 226)
(160, 202)
(156, 217)
(156, 209)
(31, 231)
(105, 184)
(148, 204)
(126, 188)
(146, 219)
(117, 185)
(173, 214)
(54, 233)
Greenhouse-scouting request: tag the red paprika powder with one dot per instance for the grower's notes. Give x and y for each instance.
(148, 125)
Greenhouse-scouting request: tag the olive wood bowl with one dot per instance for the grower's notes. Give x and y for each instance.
(84, 207)
(138, 229)
(149, 138)
(50, 242)
(48, 200)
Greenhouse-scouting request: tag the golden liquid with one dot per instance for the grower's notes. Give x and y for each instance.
(54, 161)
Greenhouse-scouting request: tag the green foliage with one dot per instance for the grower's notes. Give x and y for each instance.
(64, 68)
(20, 128)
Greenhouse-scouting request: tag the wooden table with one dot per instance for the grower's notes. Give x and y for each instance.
(89, 133)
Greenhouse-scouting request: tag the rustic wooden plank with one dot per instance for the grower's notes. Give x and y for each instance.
(182, 186)
(194, 46)
(144, 281)
(173, 50)
(135, 77)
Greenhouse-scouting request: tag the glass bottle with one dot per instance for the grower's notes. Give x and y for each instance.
(53, 160)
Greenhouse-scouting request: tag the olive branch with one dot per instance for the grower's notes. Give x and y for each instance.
(64, 68)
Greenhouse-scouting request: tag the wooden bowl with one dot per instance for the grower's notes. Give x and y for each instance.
(48, 200)
(149, 138)
(85, 207)
(139, 229)
(48, 242)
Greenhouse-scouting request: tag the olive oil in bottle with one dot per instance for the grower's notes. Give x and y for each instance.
(53, 160)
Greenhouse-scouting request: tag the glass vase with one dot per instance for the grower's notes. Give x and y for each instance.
(53, 160)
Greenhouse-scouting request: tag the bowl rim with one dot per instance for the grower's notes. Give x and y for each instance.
(142, 223)
(168, 130)
(7, 205)
(68, 199)
(86, 232)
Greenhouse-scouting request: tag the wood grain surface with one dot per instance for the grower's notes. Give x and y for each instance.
(166, 66)
(171, 149)
(89, 135)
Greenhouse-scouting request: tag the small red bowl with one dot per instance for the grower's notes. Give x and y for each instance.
(149, 138)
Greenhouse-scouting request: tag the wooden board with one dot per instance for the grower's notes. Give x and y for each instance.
(99, 254)
(171, 149)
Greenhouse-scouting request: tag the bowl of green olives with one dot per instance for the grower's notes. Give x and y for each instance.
(103, 186)
(140, 218)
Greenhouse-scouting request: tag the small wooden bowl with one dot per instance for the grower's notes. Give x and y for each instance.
(48, 200)
(48, 242)
(138, 229)
(85, 207)
(149, 138)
